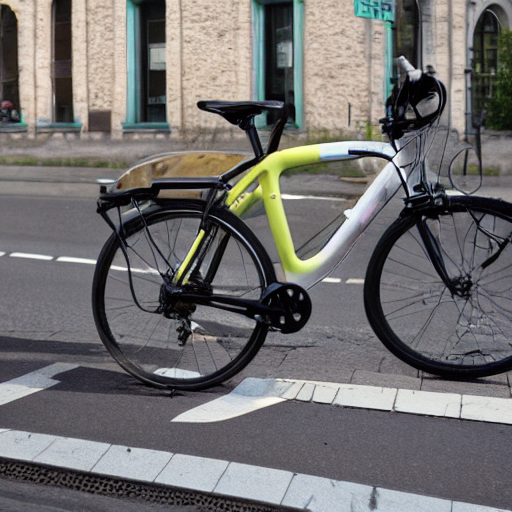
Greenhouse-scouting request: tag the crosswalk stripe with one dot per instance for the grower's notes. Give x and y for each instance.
(32, 382)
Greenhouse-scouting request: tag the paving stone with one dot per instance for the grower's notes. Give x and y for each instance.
(482, 408)
(394, 366)
(15, 444)
(292, 392)
(201, 474)
(73, 453)
(386, 500)
(368, 397)
(467, 507)
(318, 494)
(253, 482)
(425, 402)
(306, 392)
(385, 380)
(497, 388)
(133, 463)
(324, 394)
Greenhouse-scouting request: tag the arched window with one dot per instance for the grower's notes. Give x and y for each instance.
(62, 62)
(485, 60)
(9, 88)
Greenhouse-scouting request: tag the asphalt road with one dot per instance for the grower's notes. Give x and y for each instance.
(45, 317)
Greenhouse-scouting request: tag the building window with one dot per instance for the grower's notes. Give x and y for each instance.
(407, 32)
(279, 55)
(9, 88)
(146, 62)
(62, 80)
(485, 60)
(277, 28)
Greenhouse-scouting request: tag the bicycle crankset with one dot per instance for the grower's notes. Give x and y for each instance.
(290, 306)
(284, 306)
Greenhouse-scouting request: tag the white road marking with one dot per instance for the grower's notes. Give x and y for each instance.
(32, 382)
(176, 373)
(69, 259)
(26, 255)
(295, 197)
(87, 261)
(278, 487)
(249, 396)
(152, 271)
(253, 394)
(354, 280)
(331, 280)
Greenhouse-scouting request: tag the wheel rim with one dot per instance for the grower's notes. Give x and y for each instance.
(469, 330)
(146, 343)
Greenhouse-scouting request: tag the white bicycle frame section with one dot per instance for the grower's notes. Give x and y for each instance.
(308, 272)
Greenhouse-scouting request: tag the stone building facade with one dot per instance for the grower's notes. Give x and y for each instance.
(130, 68)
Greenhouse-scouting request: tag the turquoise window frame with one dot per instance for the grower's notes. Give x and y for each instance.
(258, 29)
(132, 48)
(388, 60)
(133, 57)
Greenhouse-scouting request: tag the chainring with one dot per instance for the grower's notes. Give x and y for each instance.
(292, 305)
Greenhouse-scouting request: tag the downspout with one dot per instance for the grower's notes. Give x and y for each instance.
(182, 107)
(450, 57)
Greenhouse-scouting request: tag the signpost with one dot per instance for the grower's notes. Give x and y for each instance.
(383, 10)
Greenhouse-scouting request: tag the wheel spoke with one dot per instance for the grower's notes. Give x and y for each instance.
(166, 342)
(467, 330)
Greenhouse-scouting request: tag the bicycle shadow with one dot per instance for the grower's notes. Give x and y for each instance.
(96, 373)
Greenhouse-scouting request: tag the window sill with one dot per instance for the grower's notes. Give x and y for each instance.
(13, 127)
(60, 127)
(146, 127)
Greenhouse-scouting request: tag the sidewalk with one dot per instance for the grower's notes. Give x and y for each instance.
(82, 182)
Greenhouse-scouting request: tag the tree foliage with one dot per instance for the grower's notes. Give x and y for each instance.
(499, 113)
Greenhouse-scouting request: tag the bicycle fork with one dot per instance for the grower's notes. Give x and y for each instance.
(459, 286)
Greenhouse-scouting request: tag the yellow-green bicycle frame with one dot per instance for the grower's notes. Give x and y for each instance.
(267, 173)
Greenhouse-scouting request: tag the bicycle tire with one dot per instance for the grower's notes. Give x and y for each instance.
(412, 311)
(145, 343)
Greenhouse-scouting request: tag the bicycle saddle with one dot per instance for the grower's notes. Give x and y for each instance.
(240, 113)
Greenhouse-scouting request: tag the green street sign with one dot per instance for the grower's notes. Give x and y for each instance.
(383, 10)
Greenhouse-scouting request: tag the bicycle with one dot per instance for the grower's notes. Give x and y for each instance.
(184, 293)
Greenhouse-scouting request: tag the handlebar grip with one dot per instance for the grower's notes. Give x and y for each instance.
(405, 64)
(414, 74)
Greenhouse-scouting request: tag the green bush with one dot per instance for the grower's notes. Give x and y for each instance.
(499, 113)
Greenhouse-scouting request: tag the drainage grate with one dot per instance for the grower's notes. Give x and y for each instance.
(114, 487)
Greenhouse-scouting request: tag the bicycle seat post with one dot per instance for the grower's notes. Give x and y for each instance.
(252, 134)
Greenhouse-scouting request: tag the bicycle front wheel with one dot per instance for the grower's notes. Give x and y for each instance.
(193, 346)
(466, 333)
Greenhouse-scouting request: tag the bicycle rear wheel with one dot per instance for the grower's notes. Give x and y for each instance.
(194, 346)
(466, 334)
